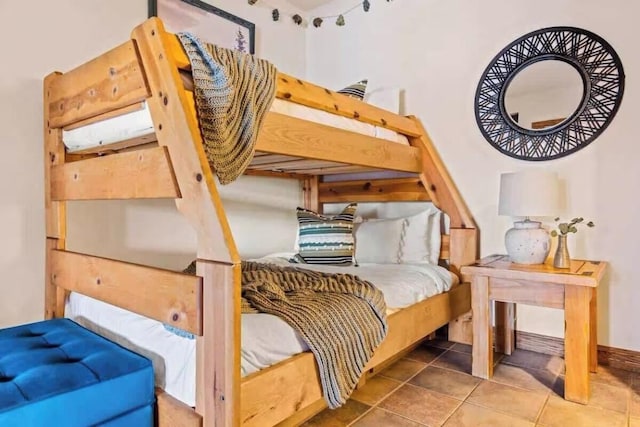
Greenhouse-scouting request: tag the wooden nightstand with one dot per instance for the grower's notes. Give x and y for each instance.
(495, 278)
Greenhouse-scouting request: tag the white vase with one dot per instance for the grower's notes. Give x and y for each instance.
(527, 243)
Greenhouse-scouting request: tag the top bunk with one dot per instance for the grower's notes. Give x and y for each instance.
(124, 126)
(103, 108)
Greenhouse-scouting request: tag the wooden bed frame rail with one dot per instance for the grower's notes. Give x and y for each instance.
(172, 164)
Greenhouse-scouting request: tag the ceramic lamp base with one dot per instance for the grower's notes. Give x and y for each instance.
(527, 243)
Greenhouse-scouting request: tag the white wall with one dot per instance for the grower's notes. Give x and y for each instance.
(43, 36)
(437, 50)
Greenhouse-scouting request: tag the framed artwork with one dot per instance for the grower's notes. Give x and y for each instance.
(207, 22)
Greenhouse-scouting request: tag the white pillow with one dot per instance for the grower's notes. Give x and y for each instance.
(422, 238)
(378, 240)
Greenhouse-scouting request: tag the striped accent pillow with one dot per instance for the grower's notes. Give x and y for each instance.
(326, 240)
(356, 90)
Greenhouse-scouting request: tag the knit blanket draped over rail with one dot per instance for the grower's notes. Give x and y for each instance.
(233, 92)
(341, 318)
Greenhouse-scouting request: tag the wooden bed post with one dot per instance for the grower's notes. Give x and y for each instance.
(218, 349)
(310, 194)
(463, 229)
(55, 212)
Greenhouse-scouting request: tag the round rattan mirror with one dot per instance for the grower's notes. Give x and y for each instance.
(549, 93)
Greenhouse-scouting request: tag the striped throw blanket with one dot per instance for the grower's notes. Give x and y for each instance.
(233, 92)
(341, 318)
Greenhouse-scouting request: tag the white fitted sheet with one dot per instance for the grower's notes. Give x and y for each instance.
(266, 339)
(139, 123)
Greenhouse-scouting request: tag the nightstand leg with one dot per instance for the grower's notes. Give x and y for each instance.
(593, 325)
(577, 351)
(505, 327)
(482, 365)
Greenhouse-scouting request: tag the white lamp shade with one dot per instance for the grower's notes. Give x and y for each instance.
(529, 193)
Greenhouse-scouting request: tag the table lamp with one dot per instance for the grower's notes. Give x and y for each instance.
(525, 194)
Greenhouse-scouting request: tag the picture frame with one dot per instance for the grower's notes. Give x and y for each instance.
(207, 22)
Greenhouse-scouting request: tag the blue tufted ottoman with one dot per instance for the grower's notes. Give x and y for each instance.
(56, 373)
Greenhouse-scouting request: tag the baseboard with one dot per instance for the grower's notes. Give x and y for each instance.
(609, 356)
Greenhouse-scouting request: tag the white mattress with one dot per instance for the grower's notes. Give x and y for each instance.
(139, 123)
(266, 339)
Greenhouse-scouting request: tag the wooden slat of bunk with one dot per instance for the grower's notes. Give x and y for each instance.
(298, 91)
(163, 295)
(109, 82)
(55, 212)
(105, 116)
(445, 247)
(337, 170)
(287, 135)
(295, 90)
(265, 158)
(275, 393)
(119, 146)
(172, 412)
(379, 190)
(274, 174)
(296, 165)
(129, 175)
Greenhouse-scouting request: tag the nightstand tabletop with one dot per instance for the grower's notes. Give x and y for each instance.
(581, 272)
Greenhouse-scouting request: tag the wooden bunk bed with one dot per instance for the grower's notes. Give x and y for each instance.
(171, 163)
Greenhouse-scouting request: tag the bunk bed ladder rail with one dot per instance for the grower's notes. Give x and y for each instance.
(143, 70)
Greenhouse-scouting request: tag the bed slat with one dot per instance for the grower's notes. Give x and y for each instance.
(172, 412)
(282, 134)
(163, 295)
(445, 247)
(106, 116)
(111, 81)
(379, 190)
(295, 90)
(129, 175)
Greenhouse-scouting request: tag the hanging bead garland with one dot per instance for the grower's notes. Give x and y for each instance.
(317, 21)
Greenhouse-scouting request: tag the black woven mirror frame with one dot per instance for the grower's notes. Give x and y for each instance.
(603, 81)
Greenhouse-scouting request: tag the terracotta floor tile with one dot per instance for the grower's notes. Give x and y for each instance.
(451, 383)
(530, 379)
(613, 376)
(609, 397)
(403, 369)
(425, 354)
(342, 416)
(635, 404)
(378, 418)
(562, 413)
(634, 422)
(469, 415)
(529, 359)
(440, 343)
(454, 360)
(462, 348)
(421, 405)
(602, 395)
(513, 401)
(375, 389)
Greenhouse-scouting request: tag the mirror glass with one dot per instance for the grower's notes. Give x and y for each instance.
(544, 94)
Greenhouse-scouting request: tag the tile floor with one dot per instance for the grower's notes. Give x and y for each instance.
(432, 386)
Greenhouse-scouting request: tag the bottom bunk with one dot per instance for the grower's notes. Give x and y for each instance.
(280, 374)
